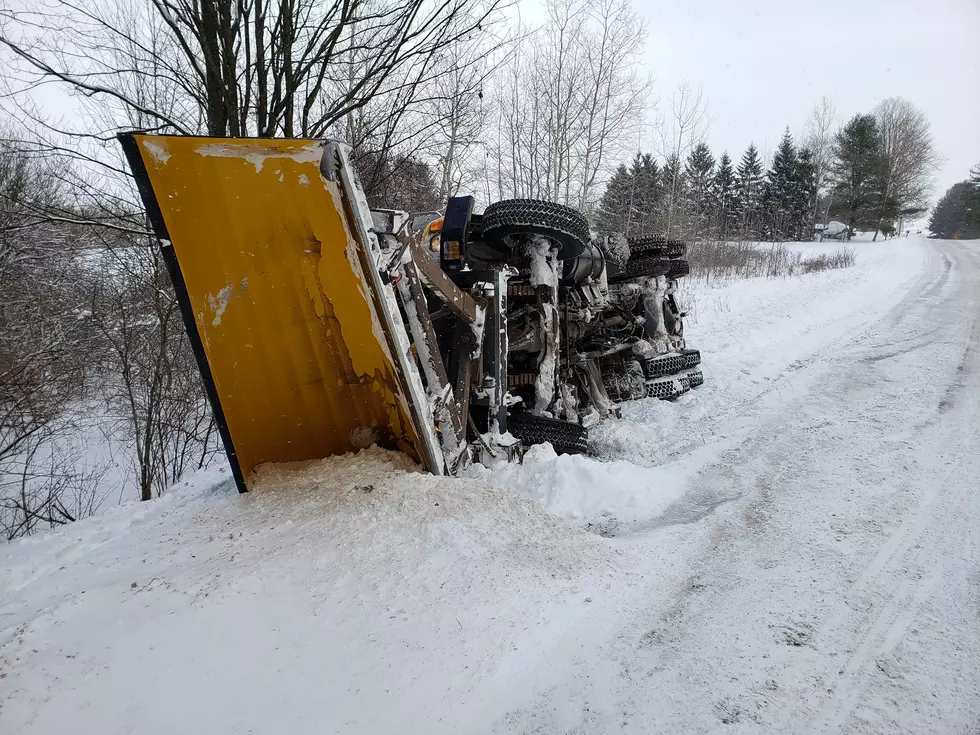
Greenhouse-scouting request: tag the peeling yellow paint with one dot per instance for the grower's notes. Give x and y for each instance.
(320, 368)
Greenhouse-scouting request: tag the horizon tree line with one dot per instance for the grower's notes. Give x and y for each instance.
(873, 174)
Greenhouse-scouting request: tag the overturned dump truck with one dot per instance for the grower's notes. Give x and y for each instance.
(322, 327)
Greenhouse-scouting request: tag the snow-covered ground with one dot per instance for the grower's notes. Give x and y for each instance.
(793, 547)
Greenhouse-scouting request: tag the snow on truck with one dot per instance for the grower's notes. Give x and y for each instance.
(322, 327)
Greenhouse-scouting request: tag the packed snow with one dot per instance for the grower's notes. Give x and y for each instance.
(791, 547)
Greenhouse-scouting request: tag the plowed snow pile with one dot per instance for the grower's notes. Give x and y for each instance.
(335, 583)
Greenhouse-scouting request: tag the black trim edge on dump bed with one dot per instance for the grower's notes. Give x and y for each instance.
(155, 215)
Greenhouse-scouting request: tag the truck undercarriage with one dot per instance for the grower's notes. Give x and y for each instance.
(454, 336)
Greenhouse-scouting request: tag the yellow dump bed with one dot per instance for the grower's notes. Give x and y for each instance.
(297, 335)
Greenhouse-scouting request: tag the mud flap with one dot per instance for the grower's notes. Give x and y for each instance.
(297, 334)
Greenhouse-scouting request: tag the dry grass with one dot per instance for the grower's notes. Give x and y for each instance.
(715, 260)
(840, 258)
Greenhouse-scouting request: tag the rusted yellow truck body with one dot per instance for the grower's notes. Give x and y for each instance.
(298, 338)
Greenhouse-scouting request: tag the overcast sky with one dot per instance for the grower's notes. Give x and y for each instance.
(762, 64)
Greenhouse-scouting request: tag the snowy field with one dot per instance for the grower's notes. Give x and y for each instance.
(792, 547)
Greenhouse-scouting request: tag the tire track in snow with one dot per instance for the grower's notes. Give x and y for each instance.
(765, 611)
(880, 629)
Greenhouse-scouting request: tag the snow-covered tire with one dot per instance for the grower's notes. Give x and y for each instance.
(646, 266)
(691, 358)
(672, 362)
(668, 387)
(515, 217)
(696, 378)
(660, 246)
(678, 269)
(565, 437)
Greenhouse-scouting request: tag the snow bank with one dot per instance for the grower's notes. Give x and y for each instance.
(585, 491)
(353, 594)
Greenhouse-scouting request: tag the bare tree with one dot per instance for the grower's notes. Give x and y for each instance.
(569, 102)
(688, 125)
(458, 109)
(48, 484)
(616, 96)
(909, 159)
(819, 139)
(237, 67)
(432, 124)
(45, 352)
(150, 383)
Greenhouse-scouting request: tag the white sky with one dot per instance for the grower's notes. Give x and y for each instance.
(763, 64)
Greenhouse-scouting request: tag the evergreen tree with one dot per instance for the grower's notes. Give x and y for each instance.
(856, 172)
(748, 187)
(614, 206)
(723, 194)
(672, 177)
(399, 181)
(804, 195)
(631, 200)
(649, 195)
(953, 215)
(698, 179)
(779, 195)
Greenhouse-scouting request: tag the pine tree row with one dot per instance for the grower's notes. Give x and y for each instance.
(704, 198)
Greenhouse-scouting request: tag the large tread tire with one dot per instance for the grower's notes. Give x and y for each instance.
(514, 217)
(660, 246)
(678, 269)
(646, 266)
(696, 377)
(671, 363)
(565, 437)
(668, 387)
(691, 358)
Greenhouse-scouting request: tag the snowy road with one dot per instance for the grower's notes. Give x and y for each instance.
(834, 582)
(794, 548)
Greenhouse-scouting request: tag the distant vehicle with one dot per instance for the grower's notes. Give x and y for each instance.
(833, 230)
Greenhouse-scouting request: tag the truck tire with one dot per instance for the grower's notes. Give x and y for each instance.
(678, 269)
(670, 363)
(644, 266)
(514, 217)
(669, 386)
(660, 246)
(696, 377)
(565, 437)
(660, 365)
(691, 358)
